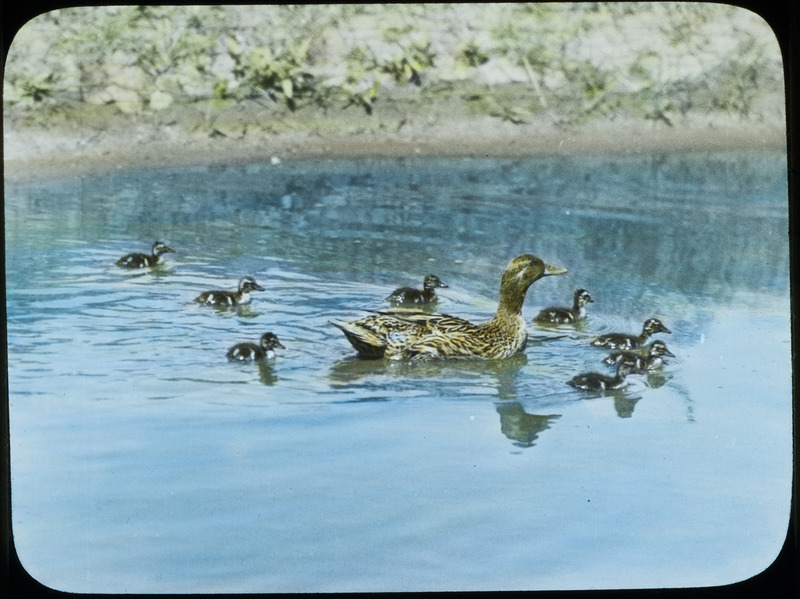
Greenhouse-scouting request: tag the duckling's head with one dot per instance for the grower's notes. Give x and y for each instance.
(270, 341)
(659, 348)
(248, 284)
(654, 325)
(432, 281)
(520, 273)
(582, 297)
(160, 248)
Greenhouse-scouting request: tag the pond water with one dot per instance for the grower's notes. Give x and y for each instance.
(143, 461)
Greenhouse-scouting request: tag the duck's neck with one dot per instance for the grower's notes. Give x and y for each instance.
(511, 300)
(577, 308)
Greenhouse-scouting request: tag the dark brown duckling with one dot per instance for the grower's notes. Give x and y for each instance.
(411, 296)
(594, 381)
(248, 352)
(139, 260)
(566, 315)
(624, 341)
(230, 298)
(644, 360)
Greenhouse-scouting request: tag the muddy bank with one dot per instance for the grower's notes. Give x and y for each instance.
(182, 136)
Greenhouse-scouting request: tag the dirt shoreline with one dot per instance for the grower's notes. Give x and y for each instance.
(34, 154)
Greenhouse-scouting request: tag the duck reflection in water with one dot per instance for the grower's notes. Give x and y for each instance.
(517, 425)
(521, 427)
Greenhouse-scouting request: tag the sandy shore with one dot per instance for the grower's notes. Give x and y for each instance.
(96, 146)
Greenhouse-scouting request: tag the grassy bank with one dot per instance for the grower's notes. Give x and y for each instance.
(209, 83)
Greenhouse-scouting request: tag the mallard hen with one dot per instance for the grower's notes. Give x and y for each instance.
(411, 335)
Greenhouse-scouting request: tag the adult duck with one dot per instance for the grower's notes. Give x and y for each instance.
(625, 341)
(410, 296)
(411, 335)
(139, 260)
(566, 315)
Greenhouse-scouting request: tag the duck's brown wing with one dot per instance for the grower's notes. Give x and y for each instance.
(397, 329)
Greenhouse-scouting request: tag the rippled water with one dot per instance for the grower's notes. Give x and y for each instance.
(142, 461)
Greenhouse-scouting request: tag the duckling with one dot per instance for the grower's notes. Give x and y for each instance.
(246, 352)
(409, 295)
(138, 260)
(230, 298)
(594, 381)
(643, 360)
(623, 341)
(410, 335)
(566, 315)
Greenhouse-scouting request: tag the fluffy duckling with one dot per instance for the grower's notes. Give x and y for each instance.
(230, 298)
(643, 360)
(247, 352)
(410, 335)
(566, 315)
(409, 295)
(594, 381)
(139, 260)
(624, 341)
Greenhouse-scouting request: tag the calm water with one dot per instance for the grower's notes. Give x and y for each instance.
(142, 461)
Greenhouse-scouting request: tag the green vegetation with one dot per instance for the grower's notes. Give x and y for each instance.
(572, 62)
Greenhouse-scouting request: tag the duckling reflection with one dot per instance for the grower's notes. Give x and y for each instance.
(266, 372)
(624, 403)
(521, 427)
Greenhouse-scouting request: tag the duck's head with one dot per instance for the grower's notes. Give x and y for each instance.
(654, 325)
(160, 248)
(270, 341)
(525, 269)
(248, 284)
(432, 281)
(659, 348)
(520, 273)
(582, 297)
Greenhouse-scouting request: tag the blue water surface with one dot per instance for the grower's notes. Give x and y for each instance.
(143, 461)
